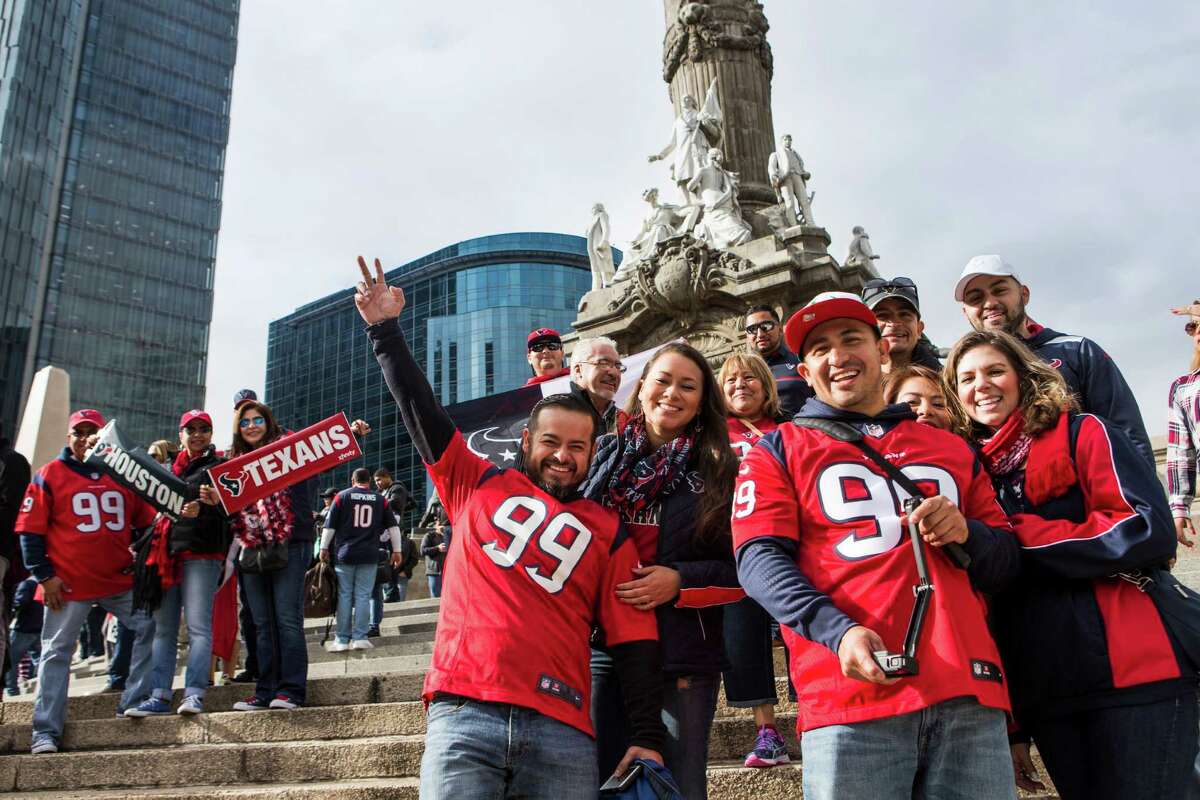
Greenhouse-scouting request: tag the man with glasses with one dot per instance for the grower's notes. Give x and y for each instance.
(544, 353)
(994, 299)
(764, 335)
(76, 526)
(897, 307)
(596, 371)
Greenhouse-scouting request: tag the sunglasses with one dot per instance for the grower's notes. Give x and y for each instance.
(766, 327)
(248, 421)
(199, 429)
(553, 347)
(1190, 328)
(881, 286)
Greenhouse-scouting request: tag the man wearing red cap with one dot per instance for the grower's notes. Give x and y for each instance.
(76, 527)
(544, 352)
(822, 545)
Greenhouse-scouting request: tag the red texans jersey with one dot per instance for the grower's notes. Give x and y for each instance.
(844, 514)
(86, 518)
(527, 577)
(742, 438)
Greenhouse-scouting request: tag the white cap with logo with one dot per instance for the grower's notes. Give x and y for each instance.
(983, 265)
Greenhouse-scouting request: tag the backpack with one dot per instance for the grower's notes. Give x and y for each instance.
(320, 591)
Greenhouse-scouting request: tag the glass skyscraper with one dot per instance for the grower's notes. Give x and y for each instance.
(469, 308)
(114, 117)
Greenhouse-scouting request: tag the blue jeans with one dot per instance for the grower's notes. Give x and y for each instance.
(118, 668)
(487, 751)
(355, 583)
(1134, 752)
(689, 704)
(60, 631)
(18, 645)
(196, 591)
(277, 605)
(954, 750)
(435, 585)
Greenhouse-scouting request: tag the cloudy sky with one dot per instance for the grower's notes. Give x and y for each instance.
(1061, 135)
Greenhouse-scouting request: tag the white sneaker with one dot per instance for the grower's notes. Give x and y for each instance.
(362, 644)
(338, 647)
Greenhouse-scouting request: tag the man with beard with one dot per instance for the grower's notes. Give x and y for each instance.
(822, 544)
(896, 305)
(535, 567)
(596, 371)
(993, 298)
(544, 352)
(764, 335)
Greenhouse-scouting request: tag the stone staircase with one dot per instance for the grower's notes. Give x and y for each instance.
(359, 738)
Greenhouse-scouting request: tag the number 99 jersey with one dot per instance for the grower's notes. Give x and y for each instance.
(86, 518)
(844, 515)
(526, 578)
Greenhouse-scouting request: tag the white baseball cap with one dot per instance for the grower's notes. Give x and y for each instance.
(983, 265)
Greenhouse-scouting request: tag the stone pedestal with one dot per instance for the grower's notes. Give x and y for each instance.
(43, 431)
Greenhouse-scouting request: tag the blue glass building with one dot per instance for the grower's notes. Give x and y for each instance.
(114, 117)
(469, 308)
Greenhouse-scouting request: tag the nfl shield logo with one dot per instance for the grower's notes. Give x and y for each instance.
(873, 429)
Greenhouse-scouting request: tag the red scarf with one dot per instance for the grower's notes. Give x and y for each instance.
(1049, 470)
(160, 553)
(1007, 448)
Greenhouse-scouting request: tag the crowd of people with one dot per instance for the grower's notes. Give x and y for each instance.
(640, 557)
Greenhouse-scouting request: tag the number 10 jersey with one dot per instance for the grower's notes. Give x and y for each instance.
(526, 578)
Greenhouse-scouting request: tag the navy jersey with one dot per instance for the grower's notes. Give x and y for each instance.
(358, 518)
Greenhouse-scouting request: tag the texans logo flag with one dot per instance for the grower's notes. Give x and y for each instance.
(248, 478)
(136, 470)
(492, 425)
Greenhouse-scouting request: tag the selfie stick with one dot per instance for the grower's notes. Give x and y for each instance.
(896, 665)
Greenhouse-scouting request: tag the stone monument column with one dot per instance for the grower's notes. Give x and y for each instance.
(727, 40)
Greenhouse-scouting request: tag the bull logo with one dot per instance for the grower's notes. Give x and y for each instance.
(232, 483)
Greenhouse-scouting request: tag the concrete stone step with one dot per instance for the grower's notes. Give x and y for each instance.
(385, 647)
(390, 626)
(391, 611)
(236, 763)
(321, 722)
(358, 789)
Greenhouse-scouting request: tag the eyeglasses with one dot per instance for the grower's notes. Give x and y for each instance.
(766, 326)
(877, 287)
(1190, 328)
(248, 421)
(201, 429)
(553, 347)
(604, 363)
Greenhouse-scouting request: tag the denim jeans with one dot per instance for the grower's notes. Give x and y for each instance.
(377, 605)
(435, 585)
(1127, 752)
(954, 750)
(277, 604)
(355, 583)
(750, 680)
(487, 751)
(118, 668)
(400, 584)
(19, 644)
(196, 591)
(689, 704)
(60, 631)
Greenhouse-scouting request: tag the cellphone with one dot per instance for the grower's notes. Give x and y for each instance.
(619, 783)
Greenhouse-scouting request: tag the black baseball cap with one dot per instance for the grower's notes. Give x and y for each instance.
(876, 290)
(330, 492)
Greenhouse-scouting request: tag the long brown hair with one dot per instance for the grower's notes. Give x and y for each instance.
(712, 457)
(1042, 394)
(895, 380)
(240, 446)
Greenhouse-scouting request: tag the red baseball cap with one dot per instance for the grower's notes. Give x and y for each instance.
(821, 309)
(547, 334)
(195, 413)
(86, 415)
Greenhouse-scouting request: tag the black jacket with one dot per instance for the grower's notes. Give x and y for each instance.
(434, 558)
(209, 532)
(691, 629)
(14, 477)
(28, 612)
(399, 499)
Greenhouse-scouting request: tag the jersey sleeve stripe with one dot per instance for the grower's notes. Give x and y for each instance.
(705, 596)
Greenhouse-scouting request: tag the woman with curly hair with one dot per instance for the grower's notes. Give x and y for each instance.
(669, 474)
(1095, 678)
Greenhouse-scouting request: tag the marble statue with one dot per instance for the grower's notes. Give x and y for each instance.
(722, 225)
(695, 130)
(598, 248)
(660, 224)
(861, 254)
(785, 170)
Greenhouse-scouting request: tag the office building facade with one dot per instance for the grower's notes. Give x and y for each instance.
(469, 308)
(114, 118)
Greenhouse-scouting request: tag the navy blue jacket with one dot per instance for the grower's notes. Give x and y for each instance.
(793, 390)
(691, 629)
(1096, 381)
(27, 612)
(1072, 638)
(358, 518)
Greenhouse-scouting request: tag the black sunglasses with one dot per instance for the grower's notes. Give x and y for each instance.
(540, 346)
(766, 326)
(905, 287)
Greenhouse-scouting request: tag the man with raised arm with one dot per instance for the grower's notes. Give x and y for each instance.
(535, 568)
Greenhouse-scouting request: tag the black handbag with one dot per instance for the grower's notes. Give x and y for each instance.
(383, 573)
(1178, 606)
(263, 558)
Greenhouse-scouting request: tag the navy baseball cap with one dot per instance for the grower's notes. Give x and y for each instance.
(244, 396)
